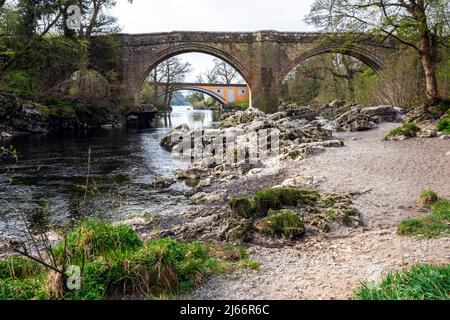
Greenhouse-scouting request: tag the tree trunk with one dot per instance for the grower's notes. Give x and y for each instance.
(90, 27)
(429, 65)
(428, 57)
(155, 86)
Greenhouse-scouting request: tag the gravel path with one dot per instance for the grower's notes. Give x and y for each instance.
(390, 176)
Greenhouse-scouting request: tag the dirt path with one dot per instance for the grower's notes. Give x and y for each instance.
(390, 176)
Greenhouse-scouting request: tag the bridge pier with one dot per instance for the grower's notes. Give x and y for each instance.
(265, 98)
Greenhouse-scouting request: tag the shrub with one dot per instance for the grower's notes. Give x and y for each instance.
(19, 268)
(432, 225)
(421, 282)
(408, 130)
(284, 223)
(427, 197)
(444, 124)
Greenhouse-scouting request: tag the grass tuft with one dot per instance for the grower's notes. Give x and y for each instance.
(96, 238)
(421, 282)
(435, 224)
(408, 130)
(427, 198)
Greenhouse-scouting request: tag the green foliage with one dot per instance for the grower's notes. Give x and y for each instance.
(421, 282)
(18, 82)
(162, 267)
(32, 288)
(19, 268)
(284, 223)
(408, 129)
(243, 105)
(275, 198)
(444, 124)
(435, 224)
(95, 238)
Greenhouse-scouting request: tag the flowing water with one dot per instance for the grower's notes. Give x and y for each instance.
(51, 173)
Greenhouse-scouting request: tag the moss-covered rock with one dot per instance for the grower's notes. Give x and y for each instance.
(332, 199)
(276, 198)
(318, 221)
(238, 230)
(241, 207)
(284, 223)
(343, 214)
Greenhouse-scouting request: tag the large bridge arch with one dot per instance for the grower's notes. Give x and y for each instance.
(193, 48)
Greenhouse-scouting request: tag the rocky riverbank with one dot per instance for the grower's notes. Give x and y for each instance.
(304, 132)
(341, 156)
(21, 116)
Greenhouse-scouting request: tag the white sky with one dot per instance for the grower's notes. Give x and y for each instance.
(146, 16)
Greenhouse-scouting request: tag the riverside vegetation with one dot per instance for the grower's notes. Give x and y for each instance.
(117, 263)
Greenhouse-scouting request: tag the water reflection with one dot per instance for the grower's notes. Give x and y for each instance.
(123, 164)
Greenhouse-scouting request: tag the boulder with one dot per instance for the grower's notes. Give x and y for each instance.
(299, 112)
(383, 113)
(358, 119)
(424, 114)
(237, 230)
(163, 182)
(5, 135)
(427, 133)
(174, 137)
(241, 117)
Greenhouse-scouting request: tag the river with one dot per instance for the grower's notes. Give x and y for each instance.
(51, 173)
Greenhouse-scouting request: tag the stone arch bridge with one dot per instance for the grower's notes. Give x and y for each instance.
(262, 58)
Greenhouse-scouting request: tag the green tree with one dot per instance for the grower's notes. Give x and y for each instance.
(422, 25)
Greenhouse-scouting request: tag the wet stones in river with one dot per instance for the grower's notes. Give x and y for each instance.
(174, 137)
(163, 182)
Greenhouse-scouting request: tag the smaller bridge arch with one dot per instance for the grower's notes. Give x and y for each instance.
(223, 93)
